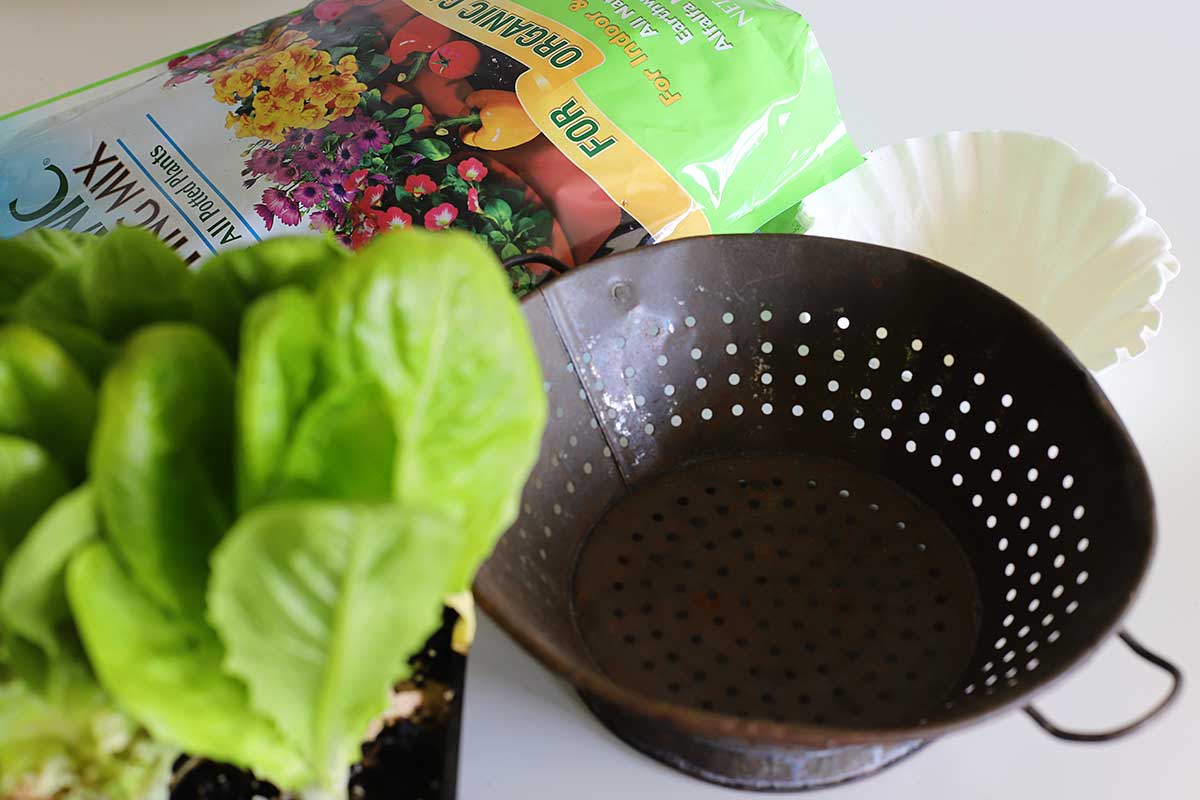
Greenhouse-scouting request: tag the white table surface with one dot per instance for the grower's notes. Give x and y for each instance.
(1117, 81)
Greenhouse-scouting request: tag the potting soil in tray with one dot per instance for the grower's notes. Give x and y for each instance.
(413, 758)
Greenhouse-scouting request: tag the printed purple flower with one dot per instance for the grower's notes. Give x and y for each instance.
(282, 206)
(379, 177)
(264, 161)
(340, 193)
(338, 210)
(372, 136)
(329, 174)
(323, 220)
(267, 217)
(346, 125)
(310, 138)
(310, 160)
(308, 194)
(294, 136)
(347, 154)
(287, 173)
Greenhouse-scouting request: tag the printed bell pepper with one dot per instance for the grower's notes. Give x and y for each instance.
(587, 215)
(418, 35)
(445, 98)
(497, 121)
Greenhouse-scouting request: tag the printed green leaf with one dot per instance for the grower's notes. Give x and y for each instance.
(45, 397)
(165, 671)
(319, 605)
(276, 380)
(131, 279)
(30, 481)
(399, 113)
(161, 459)
(433, 149)
(413, 122)
(432, 318)
(226, 284)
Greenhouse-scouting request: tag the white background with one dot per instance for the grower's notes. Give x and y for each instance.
(1119, 84)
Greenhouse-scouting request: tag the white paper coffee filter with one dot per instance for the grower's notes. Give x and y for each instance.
(1029, 216)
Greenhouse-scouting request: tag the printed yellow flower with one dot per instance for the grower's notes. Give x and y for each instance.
(347, 65)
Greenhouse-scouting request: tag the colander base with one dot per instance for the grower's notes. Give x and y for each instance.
(779, 587)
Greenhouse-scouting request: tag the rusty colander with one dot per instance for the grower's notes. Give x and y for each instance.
(804, 505)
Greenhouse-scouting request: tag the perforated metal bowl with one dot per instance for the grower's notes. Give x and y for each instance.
(805, 504)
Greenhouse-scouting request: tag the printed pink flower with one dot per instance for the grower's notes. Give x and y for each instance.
(418, 185)
(282, 206)
(440, 217)
(176, 61)
(264, 161)
(200, 61)
(473, 200)
(472, 169)
(227, 52)
(356, 180)
(267, 217)
(308, 194)
(323, 221)
(392, 219)
(330, 10)
(180, 79)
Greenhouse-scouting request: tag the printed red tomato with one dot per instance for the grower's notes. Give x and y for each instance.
(455, 60)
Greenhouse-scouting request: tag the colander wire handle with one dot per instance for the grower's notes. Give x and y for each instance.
(556, 266)
(1116, 733)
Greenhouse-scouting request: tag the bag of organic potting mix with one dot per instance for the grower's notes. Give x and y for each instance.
(571, 128)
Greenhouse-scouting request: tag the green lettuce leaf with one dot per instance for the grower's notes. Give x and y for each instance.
(56, 307)
(45, 397)
(29, 258)
(30, 481)
(319, 605)
(165, 671)
(130, 279)
(277, 377)
(162, 459)
(229, 282)
(431, 317)
(33, 599)
(344, 447)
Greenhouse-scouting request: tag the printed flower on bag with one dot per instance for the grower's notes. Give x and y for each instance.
(296, 87)
(439, 217)
(472, 169)
(340, 104)
(393, 218)
(418, 185)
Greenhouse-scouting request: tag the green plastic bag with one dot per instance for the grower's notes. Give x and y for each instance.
(571, 128)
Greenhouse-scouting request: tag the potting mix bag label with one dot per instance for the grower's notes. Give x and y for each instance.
(566, 127)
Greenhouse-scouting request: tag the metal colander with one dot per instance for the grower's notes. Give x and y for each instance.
(805, 504)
